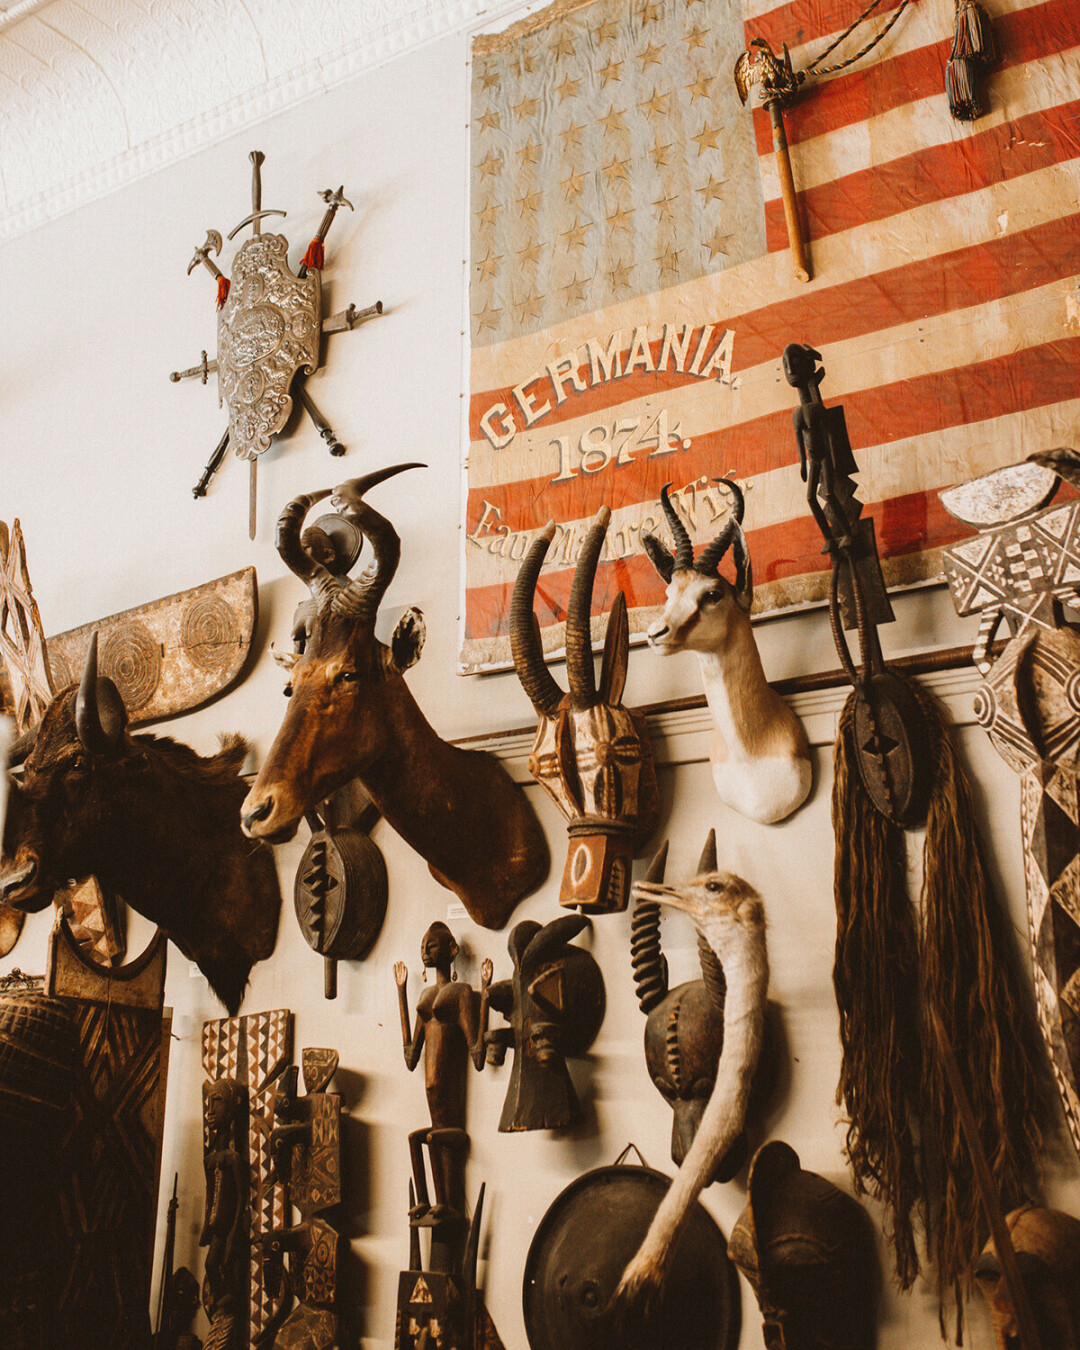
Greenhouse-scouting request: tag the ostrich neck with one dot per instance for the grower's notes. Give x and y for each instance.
(741, 952)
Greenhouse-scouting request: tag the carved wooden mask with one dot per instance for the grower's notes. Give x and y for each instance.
(591, 755)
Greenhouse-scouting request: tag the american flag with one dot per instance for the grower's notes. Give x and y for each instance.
(631, 288)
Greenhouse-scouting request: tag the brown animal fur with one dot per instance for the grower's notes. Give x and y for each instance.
(155, 823)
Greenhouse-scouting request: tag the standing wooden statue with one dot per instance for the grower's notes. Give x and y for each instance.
(451, 1019)
(305, 1148)
(225, 1223)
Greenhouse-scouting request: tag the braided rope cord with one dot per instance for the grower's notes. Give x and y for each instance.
(813, 69)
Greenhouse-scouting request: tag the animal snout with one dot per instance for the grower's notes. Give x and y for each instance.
(260, 812)
(657, 633)
(16, 878)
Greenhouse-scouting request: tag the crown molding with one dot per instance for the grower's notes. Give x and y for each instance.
(123, 90)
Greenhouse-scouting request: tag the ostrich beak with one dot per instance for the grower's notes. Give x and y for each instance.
(665, 895)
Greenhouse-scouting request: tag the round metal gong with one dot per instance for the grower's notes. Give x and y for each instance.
(578, 1255)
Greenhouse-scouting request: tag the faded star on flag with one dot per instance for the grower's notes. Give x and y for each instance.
(619, 276)
(575, 289)
(651, 55)
(488, 317)
(488, 266)
(656, 106)
(706, 138)
(529, 306)
(716, 244)
(575, 236)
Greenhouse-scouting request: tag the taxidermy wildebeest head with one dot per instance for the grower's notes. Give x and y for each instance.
(152, 820)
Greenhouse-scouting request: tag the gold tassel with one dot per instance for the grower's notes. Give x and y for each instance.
(973, 47)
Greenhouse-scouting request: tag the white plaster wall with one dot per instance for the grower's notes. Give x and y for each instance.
(99, 452)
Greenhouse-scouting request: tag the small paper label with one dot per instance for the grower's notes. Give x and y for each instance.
(194, 972)
(457, 911)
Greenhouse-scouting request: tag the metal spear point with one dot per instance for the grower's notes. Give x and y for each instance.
(202, 255)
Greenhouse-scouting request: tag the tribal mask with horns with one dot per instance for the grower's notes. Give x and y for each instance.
(591, 755)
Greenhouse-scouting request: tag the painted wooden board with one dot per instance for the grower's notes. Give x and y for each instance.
(171, 655)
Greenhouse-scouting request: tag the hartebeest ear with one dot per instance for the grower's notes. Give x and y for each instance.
(407, 641)
(284, 659)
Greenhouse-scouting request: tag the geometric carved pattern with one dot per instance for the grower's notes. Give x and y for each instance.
(1019, 567)
(255, 1050)
(107, 1169)
(1051, 840)
(22, 639)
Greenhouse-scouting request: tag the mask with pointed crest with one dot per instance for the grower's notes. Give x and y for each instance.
(591, 755)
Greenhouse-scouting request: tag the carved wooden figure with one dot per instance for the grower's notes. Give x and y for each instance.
(729, 914)
(591, 755)
(1023, 567)
(305, 1148)
(760, 755)
(225, 1223)
(255, 1050)
(351, 715)
(555, 1006)
(152, 820)
(451, 1020)
(684, 1034)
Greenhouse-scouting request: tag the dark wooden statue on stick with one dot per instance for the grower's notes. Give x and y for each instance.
(451, 1019)
(225, 1226)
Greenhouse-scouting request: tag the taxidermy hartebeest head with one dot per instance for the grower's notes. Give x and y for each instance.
(351, 715)
(684, 1034)
(730, 917)
(591, 755)
(152, 820)
(760, 754)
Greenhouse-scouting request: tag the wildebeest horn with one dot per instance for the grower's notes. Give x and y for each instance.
(711, 555)
(297, 559)
(708, 861)
(525, 647)
(580, 672)
(361, 596)
(22, 745)
(684, 549)
(100, 715)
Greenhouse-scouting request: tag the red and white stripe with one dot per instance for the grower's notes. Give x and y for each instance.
(945, 301)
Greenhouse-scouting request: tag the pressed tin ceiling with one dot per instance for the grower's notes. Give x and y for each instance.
(97, 93)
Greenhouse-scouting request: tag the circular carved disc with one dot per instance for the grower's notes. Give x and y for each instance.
(209, 632)
(132, 660)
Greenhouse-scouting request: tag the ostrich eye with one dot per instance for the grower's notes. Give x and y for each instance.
(714, 887)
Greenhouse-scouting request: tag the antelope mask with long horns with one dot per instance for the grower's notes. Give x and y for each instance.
(591, 755)
(351, 715)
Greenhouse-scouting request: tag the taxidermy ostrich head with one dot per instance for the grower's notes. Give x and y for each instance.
(729, 914)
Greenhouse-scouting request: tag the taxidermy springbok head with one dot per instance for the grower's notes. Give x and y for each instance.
(351, 715)
(152, 820)
(684, 1034)
(760, 754)
(730, 917)
(591, 755)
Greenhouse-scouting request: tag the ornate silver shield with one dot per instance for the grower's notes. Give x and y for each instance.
(268, 329)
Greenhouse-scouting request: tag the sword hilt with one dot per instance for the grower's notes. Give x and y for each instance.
(256, 158)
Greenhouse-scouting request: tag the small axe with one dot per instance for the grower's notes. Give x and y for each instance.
(779, 85)
(313, 258)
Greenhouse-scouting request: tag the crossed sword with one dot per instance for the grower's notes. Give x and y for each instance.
(344, 321)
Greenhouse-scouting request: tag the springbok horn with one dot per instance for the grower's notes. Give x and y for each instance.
(580, 673)
(684, 549)
(528, 655)
(296, 558)
(361, 596)
(99, 710)
(708, 861)
(709, 561)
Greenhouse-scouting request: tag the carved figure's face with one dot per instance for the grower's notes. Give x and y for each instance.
(596, 765)
(438, 946)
